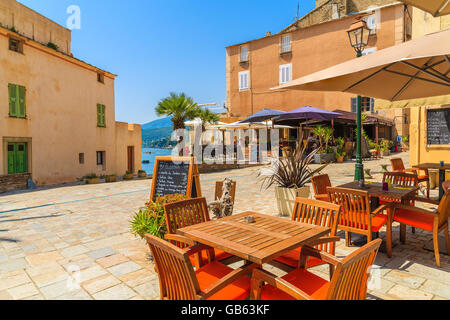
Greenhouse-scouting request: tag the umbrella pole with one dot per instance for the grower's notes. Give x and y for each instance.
(359, 167)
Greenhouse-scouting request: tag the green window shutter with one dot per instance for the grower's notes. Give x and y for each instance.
(99, 115)
(103, 115)
(22, 105)
(13, 110)
(11, 158)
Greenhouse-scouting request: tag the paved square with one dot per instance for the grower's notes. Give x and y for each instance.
(74, 242)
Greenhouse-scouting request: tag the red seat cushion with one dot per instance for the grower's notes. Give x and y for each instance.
(377, 222)
(424, 178)
(213, 272)
(414, 219)
(292, 257)
(308, 282)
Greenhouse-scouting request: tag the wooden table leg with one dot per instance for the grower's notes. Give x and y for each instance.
(441, 181)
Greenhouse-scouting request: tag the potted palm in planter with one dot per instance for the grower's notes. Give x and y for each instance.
(325, 153)
(290, 177)
(142, 174)
(110, 178)
(340, 153)
(386, 146)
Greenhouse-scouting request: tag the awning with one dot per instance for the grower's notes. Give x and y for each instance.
(415, 69)
(431, 101)
(435, 7)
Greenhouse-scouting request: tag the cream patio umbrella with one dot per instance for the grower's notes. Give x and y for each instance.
(415, 69)
(436, 7)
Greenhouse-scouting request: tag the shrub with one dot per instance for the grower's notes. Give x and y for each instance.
(91, 176)
(151, 219)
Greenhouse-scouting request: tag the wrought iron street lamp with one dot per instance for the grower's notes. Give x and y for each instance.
(359, 38)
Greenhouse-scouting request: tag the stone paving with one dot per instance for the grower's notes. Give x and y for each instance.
(51, 239)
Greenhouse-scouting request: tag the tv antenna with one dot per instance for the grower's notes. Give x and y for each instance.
(298, 12)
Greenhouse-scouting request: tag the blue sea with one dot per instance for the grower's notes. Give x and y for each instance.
(150, 154)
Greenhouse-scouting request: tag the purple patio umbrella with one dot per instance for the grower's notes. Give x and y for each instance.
(309, 113)
(263, 115)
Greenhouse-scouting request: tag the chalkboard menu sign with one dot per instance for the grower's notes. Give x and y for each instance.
(438, 126)
(175, 175)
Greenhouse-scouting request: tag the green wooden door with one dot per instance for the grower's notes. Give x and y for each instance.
(17, 158)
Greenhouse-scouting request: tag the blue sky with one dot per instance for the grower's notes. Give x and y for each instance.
(159, 46)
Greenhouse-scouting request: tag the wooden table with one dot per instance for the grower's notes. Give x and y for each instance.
(436, 166)
(375, 189)
(259, 242)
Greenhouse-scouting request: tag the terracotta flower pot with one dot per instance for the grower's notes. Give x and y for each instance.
(142, 174)
(110, 179)
(93, 181)
(286, 198)
(129, 176)
(340, 159)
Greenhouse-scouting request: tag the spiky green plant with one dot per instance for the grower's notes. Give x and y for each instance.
(178, 106)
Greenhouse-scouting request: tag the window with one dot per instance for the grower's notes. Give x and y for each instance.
(244, 54)
(372, 23)
(15, 45)
(100, 77)
(367, 105)
(17, 103)
(101, 119)
(285, 73)
(81, 158)
(244, 80)
(286, 43)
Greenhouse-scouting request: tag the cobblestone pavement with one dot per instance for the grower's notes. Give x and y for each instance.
(53, 238)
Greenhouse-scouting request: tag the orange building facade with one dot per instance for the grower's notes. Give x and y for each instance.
(316, 41)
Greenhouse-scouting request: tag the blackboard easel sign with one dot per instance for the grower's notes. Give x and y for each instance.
(175, 175)
(438, 126)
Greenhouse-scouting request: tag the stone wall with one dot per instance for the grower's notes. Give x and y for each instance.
(14, 182)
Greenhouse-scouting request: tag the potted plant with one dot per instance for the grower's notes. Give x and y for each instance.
(110, 178)
(325, 153)
(340, 153)
(92, 179)
(151, 218)
(405, 143)
(386, 146)
(128, 175)
(290, 176)
(142, 174)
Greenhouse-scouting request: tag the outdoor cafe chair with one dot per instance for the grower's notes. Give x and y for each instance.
(318, 213)
(398, 166)
(320, 184)
(400, 179)
(349, 281)
(187, 213)
(434, 221)
(357, 216)
(179, 281)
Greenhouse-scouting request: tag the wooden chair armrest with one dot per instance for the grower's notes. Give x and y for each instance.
(312, 252)
(415, 209)
(259, 276)
(412, 170)
(426, 200)
(179, 238)
(227, 280)
(321, 197)
(323, 240)
(380, 209)
(197, 248)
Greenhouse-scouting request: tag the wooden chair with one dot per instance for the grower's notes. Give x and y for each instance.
(178, 281)
(218, 191)
(357, 217)
(401, 179)
(434, 221)
(187, 213)
(398, 166)
(349, 281)
(319, 213)
(320, 184)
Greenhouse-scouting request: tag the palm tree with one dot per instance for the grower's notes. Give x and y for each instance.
(207, 117)
(178, 106)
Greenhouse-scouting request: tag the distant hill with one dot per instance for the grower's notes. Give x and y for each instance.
(160, 123)
(157, 133)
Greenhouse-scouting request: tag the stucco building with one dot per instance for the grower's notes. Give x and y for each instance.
(57, 113)
(312, 43)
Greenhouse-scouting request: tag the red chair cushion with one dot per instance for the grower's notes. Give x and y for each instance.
(414, 219)
(292, 257)
(423, 178)
(213, 272)
(377, 222)
(308, 282)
